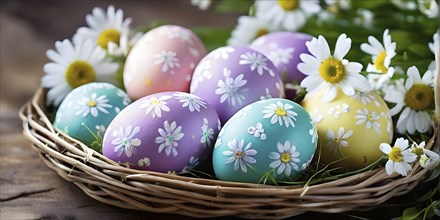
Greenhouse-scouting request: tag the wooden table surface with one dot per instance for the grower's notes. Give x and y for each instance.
(29, 189)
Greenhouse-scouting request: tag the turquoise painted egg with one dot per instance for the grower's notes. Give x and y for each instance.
(267, 141)
(87, 111)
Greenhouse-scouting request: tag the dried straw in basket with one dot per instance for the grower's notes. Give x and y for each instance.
(108, 182)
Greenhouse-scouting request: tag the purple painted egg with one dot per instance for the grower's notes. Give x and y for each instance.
(230, 78)
(168, 131)
(284, 49)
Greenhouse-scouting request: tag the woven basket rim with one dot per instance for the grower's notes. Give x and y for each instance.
(111, 183)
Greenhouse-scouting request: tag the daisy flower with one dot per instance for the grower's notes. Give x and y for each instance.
(190, 101)
(285, 159)
(125, 140)
(364, 18)
(248, 29)
(93, 105)
(156, 106)
(256, 61)
(280, 112)
(287, 14)
(240, 155)
(328, 71)
(415, 98)
(168, 60)
(105, 27)
(381, 57)
(334, 143)
(74, 64)
(231, 89)
(126, 42)
(202, 4)
(433, 46)
(428, 8)
(368, 118)
(399, 157)
(168, 138)
(426, 158)
(207, 134)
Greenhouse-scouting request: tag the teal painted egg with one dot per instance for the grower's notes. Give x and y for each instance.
(87, 111)
(267, 141)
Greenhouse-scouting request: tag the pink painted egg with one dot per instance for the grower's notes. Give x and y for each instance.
(162, 60)
(230, 78)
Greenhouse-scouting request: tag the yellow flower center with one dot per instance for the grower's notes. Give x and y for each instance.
(332, 70)
(79, 73)
(280, 112)
(396, 154)
(288, 5)
(285, 157)
(91, 103)
(155, 102)
(239, 154)
(419, 97)
(418, 151)
(370, 118)
(109, 35)
(261, 32)
(379, 62)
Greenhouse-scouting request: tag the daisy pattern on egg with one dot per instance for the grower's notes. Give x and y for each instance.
(335, 142)
(125, 140)
(169, 137)
(231, 89)
(368, 118)
(279, 113)
(240, 155)
(155, 106)
(256, 61)
(285, 159)
(93, 105)
(207, 134)
(190, 101)
(168, 60)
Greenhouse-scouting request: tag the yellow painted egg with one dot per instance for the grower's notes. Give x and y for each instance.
(350, 128)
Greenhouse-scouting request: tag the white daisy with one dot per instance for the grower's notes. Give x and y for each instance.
(240, 155)
(192, 102)
(144, 162)
(105, 28)
(287, 14)
(168, 138)
(168, 60)
(193, 162)
(316, 116)
(222, 52)
(415, 98)
(365, 98)
(285, 159)
(248, 29)
(280, 112)
(428, 8)
(334, 143)
(328, 71)
(202, 4)
(433, 46)
(126, 42)
(364, 18)
(399, 157)
(156, 105)
(343, 4)
(231, 89)
(207, 134)
(93, 105)
(75, 65)
(256, 61)
(369, 119)
(281, 55)
(381, 57)
(125, 140)
(313, 132)
(257, 131)
(427, 159)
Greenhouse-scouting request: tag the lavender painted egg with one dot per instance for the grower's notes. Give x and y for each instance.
(162, 60)
(168, 131)
(284, 49)
(87, 110)
(230, 78)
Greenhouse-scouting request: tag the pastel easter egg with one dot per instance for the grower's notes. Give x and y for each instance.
(168, 131)
(284, 49)
(230, 78)
(162, 60)
(87, 111)
(350, 128)
(273, 139)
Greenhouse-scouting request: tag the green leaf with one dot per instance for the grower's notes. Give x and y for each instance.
(410, 213)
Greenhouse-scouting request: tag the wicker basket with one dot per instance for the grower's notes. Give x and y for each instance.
(108, 182)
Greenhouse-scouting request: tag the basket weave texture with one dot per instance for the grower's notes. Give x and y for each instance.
(111, 183)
